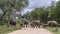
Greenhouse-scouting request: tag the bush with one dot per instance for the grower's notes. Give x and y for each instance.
(4, 21)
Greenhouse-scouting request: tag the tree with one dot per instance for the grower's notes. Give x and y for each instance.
(8, 6)
(39, 13)
(57, 12)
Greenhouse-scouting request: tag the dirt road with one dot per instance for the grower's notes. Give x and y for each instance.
(31, 31)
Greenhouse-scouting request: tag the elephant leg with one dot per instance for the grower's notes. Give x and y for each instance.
(23, 25)
(26, 25)
(38, 26)
(14, 24)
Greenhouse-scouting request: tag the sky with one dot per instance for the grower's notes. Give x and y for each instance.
(38, 3)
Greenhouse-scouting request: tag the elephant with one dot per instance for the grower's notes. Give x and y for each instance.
(12, 22)
(21, 25)
(52, 23)
(25, 23)
(35, 23)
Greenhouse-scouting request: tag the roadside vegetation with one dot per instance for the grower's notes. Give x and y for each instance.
(4, 29)
(54, 30)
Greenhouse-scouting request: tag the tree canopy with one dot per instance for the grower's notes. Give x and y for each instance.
(8, 6)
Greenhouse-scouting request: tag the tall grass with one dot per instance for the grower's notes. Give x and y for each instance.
(54, 30)
(4, 29)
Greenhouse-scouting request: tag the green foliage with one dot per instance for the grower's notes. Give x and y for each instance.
(4, 29)
(52, 29)
(9, 6)
(4, 22)
(13, 4)
(56, 14)
(39, 13)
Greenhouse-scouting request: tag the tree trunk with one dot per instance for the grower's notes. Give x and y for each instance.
(8, 24)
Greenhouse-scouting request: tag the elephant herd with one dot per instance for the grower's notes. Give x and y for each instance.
(35, 23)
